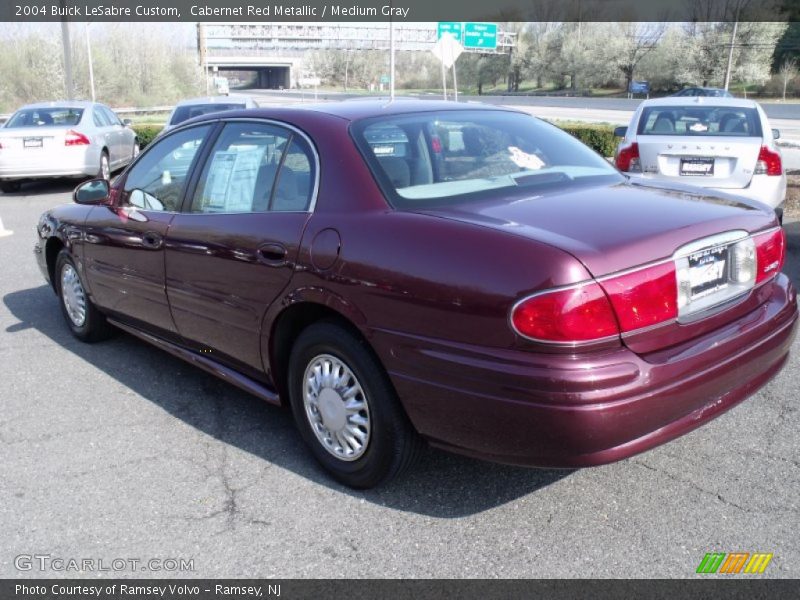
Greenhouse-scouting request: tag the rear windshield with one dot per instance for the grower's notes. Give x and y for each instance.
(45, 117)
(184, 113)
(700, 121)
(433, 158)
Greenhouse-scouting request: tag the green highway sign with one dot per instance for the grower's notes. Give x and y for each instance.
(454, 28)
(480, 35)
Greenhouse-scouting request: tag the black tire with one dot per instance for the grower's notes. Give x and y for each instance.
(392, 446)
(104, 171)
(94, 326)
(9, 187)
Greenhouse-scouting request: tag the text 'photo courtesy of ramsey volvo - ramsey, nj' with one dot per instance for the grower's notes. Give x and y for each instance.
(453, 274)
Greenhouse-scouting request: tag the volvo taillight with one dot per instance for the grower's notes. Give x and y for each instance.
(770, 253)
(769, 162)
(628, 158)
(75, 138)
(568, 315)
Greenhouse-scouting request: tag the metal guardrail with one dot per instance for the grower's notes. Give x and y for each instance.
(122, 112)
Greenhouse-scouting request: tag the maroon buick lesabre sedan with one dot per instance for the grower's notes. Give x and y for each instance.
(464, 275)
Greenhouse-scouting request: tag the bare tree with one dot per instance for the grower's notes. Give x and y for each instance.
(787, 72)
(638, 40)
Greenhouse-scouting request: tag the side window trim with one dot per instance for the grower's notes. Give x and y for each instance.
(199, 158)
(197, 170)
(278, 173)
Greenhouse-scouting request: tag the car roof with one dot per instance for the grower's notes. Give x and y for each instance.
(61, 104)
(215, 100)
(700, 100)
(355, 109)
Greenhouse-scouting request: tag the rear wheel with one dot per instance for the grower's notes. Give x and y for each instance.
(136, 150)
(105, 168)
(346, 409)
(85, 321)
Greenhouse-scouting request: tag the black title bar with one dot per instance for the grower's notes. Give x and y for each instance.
(399, 10)
(744, 588)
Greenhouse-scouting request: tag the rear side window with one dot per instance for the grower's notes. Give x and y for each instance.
(699, 121)
(255, 167)
(111, 116)
(100, 118)
(184, 113)
(45, 117)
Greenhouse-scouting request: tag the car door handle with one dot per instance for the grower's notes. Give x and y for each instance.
(272, 255)
(152, 240)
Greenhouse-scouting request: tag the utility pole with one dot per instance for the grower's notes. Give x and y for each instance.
(203, 52)
(391, 53)
(67, 56)
(730, 52)
(91, 66)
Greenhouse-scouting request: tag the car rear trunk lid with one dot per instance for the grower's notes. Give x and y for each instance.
(723, 162)
(616, 228)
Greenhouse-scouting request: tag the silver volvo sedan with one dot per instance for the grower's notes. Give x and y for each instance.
(725, 144)
(63, 139)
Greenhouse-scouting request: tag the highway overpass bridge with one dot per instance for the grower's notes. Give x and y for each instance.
(276, 51)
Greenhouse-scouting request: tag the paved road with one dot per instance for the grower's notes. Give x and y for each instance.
(118, 450)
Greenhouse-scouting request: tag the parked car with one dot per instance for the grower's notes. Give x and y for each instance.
(723, 144)
(63, 139)
(195, 107)
(704, 91)
(466, 275)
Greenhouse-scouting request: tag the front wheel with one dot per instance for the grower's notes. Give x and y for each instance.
(346, 408)
(85, 321)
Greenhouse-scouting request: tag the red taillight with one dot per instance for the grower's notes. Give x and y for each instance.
(770, 253)
(436, 144)
(577, 314)
(628, 158)
(645, 297)
(769, 162)
(74, 138)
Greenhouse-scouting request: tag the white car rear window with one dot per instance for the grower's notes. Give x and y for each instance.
(698, 121)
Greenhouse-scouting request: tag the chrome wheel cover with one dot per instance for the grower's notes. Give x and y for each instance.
(105, 170)
(73, 295)
(336, 407)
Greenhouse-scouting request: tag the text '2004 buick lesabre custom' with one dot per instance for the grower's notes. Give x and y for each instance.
(465, 275)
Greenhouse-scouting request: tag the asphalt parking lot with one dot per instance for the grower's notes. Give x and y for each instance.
(120, 451)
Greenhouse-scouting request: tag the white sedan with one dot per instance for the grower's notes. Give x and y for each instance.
(63, 139)
(724, 144)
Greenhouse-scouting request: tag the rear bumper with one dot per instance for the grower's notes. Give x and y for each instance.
(560, 410)
(71, 162)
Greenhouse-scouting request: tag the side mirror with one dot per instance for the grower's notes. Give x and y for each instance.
(94, 191)
(620, 131)
(776, 134)
(127, 122)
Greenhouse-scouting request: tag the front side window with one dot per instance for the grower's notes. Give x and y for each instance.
(700, 121)
(432, 158)
(255, 167)
(158, 179)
